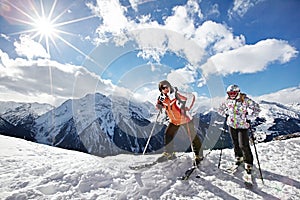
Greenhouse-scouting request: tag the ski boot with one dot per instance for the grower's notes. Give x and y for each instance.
(234, 167)
(248, 176)
(166, 156)
(197, 160)
(248, 168)
(238, 160)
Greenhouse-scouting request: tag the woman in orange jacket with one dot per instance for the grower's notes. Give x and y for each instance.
(175, 106)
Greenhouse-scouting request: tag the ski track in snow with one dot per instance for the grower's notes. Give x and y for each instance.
(35, 171)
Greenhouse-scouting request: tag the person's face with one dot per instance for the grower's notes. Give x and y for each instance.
(165, 89)
(232, 94)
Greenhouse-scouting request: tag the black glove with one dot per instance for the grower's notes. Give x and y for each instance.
(161, 98)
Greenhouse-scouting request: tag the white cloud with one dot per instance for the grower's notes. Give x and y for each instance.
(217, 37)
(182, 20)
(6, 37)
(214, 11)
(249, 58)
(181, 78)
(114, 22)
(46, 81)
(153, 38)
(29, 48)
(241, 7)
(285, 96)
(135, 3)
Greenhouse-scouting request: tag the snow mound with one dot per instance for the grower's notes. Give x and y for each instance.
(35, 171)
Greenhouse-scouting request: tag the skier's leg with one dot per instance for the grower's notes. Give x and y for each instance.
(196, 142)
(245, 146)
(235, 140)
(170, 133)
(169, 146)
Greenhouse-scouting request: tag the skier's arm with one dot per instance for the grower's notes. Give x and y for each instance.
(223, 110)
(191, 100)
(253, 109)
(192, 103)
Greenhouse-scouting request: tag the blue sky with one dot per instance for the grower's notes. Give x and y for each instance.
(51, 51)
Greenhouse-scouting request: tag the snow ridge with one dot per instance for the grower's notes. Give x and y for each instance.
(35, 171)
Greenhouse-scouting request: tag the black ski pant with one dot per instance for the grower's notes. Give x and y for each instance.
(240, 139)
(171, 131)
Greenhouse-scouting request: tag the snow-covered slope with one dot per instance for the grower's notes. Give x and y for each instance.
(279, 119)
(35, 171)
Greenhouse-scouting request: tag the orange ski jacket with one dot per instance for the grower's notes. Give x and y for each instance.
(176, 109)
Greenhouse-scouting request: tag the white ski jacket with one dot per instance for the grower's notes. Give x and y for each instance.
(239, 111)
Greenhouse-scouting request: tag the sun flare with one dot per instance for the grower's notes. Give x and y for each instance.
(45, 27)
(45, 22)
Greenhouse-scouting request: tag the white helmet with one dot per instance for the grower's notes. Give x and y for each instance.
(233, 88)
(233, 91)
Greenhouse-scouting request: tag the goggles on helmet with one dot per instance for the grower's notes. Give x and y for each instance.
(232, 93)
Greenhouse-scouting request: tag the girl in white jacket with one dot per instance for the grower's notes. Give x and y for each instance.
(239, 110)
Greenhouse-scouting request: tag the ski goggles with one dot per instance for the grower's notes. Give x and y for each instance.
(232, 93)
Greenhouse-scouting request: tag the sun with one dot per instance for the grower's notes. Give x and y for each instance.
(45, 22)
(45, 27)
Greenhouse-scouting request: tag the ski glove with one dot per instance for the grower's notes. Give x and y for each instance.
(161, 98)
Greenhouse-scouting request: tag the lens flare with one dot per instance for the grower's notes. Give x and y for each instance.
(42, 22)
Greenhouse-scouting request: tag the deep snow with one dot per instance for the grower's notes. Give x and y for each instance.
(36, 171)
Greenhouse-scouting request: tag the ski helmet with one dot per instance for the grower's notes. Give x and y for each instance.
(233, 88)
(233, 91)
(164, 84)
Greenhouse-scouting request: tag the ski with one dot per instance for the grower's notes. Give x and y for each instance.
(143, 166)
(187, 174)
(232, 169)
(247, 178)
(150, 164)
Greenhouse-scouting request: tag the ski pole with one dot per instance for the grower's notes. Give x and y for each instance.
(220, 158)
(252, 136)
(151, 133)
(223, 131)
(191, 142)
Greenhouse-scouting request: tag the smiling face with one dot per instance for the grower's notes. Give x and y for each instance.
(165, 89)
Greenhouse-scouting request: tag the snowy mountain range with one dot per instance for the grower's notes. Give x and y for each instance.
(106, 125)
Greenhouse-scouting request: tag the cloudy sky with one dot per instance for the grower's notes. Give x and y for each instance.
(51, 51)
